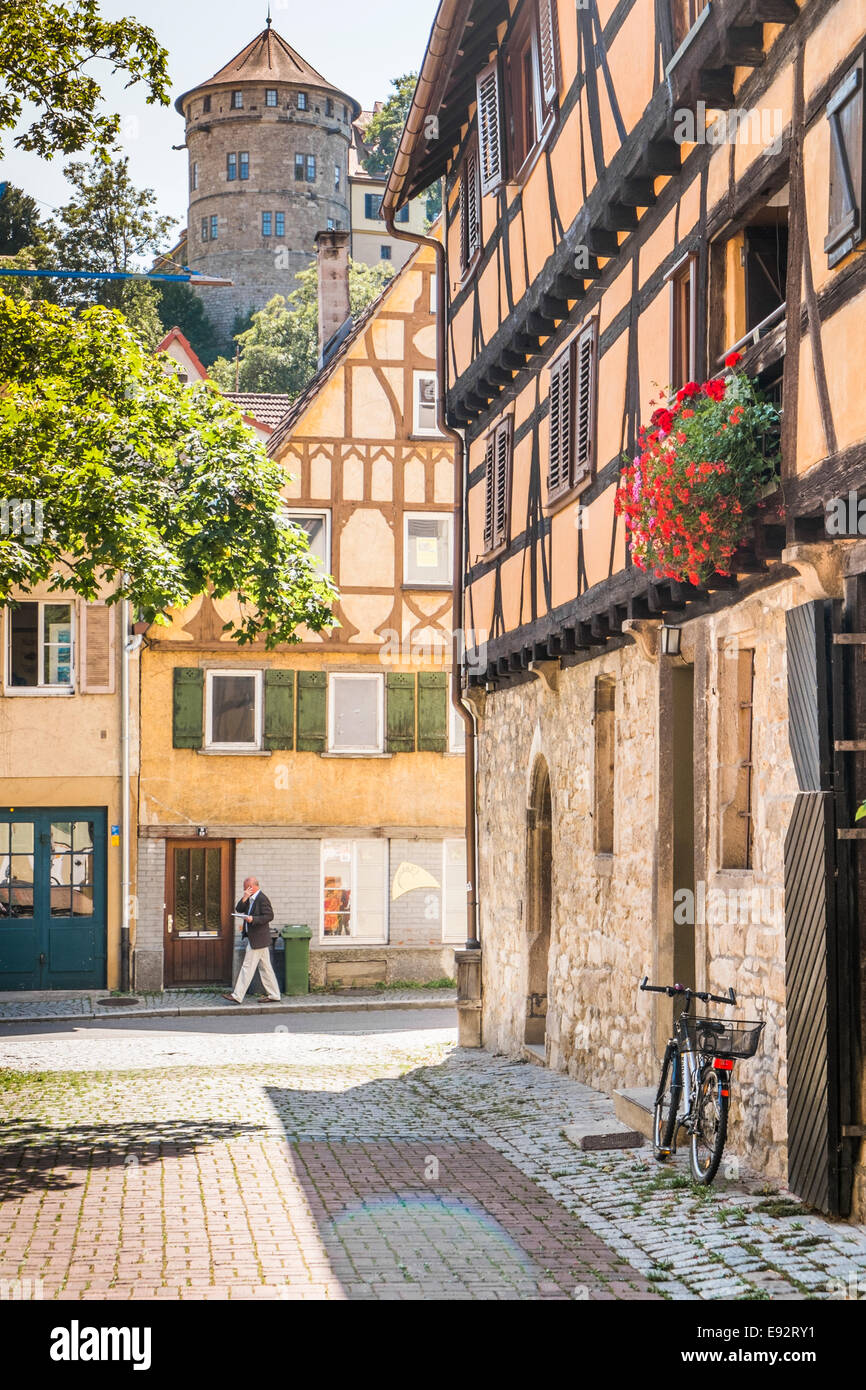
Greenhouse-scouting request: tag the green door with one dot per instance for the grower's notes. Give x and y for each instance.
(52, 899)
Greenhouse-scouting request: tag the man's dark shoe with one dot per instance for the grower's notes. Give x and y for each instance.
(231, 998)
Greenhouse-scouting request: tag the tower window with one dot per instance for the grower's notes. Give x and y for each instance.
(271, 96)
(237, 101)
(299, 168)
(303, 101)
(245, 163)
(231, 167)
(332, 226)
(337, 176)
(204, 229)
(329, 107)
(193, 177)
(214, 227)
(280, 218)
(345, 113)
(266, 223)
(311, 168)
(205, 106)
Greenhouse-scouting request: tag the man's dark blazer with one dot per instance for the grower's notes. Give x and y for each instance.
(257, 932)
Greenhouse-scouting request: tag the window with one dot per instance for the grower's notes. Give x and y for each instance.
(454, 890)
(573, 379)
(72, 883)
(345, 113)
(356, 713)
(847, 165)
(39, 646)
(531, 81)
(497, 481)
(231, 167)
(204, 229)
(470, 210)
(311, 168)
(193, 178)
(205, 106)
(683, 292)
(300, 165)
(735, 755)
(403, 214)
(489, 128)
(303, 101)
(244, 163)
(318, 528)
(237, 101)
(456, 730)
(332, 226)
(214, 227)
(605, 758)
(329, 107)
(17, 859)
(372, 206)
(234, 709)
(280, 219)
(267, 219)
(425, 403)
(337, 178)
(354, 890)
(270, 96)
(384, 252)
(427, 549)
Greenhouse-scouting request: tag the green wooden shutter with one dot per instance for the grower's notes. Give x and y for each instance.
(279, 709)
(400, 716)
(312, 711)
(432, 711)
(188, 707)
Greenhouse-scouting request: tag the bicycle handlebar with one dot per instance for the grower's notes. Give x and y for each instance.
(672, 990)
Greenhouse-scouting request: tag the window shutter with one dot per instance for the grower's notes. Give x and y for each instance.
(489, 490)
(97, 648)
(279, 709)
(503, 470)
(847, 160)
(490, 127)
(432, 711)
(547, 51)
(585, 373)
(561, 422)
(188, 707)
(470, 228)
(400, 712)
(312, 711)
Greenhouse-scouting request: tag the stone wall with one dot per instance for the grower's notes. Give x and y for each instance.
(608, 926)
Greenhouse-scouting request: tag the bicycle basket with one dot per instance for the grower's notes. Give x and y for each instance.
(717, 1038)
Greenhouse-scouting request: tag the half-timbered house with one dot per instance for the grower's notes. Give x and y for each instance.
(668, 767)
(330, 769)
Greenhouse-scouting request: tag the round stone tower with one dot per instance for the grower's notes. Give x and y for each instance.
(268, 140)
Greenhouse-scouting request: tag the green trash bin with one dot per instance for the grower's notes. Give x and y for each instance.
(296, 940)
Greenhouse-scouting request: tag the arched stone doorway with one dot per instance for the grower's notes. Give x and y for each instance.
(539, 867)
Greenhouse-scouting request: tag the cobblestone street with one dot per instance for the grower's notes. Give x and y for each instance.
(360, 1157)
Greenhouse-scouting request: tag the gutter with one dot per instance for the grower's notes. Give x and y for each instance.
(130, 645)
(457, 628)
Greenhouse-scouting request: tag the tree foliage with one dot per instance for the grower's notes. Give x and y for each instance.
(20, 224)
(382, 137)
(279, 352)
(154, 487)
(180, 307)
(47, 51)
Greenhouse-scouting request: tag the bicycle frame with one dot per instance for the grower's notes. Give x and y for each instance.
(687, 1067)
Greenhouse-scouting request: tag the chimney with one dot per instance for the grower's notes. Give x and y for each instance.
(335, 320)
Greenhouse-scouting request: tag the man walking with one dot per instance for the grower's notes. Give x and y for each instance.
(257, 914)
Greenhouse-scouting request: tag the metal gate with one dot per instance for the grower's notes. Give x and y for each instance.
(819, 961)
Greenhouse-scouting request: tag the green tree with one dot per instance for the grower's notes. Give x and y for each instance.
(20, 225)
(180, 307)
(110, 225)
(45, 52)
(279, 352)
(154, 487)
(382, 137)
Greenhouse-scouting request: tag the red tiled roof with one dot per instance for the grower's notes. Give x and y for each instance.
(269, 58)
(266, 407)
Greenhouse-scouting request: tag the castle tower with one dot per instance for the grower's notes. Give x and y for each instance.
(268, 140)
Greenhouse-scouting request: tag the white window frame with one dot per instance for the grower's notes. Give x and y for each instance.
(325, 514)
(271, 92)
(455, 725)
(303, 101)
(40, 689)
(352, 939)
(380, 712)
(417, 377)
(259, 712)
(428, 516)
(237, 105)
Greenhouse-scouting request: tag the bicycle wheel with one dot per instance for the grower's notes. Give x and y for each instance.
(667, 1106)
(710, 1127)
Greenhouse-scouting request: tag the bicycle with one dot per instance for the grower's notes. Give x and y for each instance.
(699, 1058)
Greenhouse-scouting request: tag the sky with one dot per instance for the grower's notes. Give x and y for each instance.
(359, 47)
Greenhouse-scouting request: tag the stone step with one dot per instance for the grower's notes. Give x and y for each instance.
(603, 1134)
(534, 1052)
(634, 1107)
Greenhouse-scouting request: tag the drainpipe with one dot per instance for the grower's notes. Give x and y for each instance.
(131, 644)
(466, 714)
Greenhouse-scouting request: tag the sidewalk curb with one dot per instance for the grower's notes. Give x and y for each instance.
(331, 1006)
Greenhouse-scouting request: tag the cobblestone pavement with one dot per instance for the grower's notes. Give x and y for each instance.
(46, 1005)
(231, 1159)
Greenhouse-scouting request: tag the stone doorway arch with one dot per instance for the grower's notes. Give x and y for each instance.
(539, 897)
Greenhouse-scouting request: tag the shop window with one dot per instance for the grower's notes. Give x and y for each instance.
(605, 763)
(354, 888)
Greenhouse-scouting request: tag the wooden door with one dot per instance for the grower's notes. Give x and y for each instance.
(199, 931)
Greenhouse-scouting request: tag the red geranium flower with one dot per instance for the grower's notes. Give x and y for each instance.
(691, 388)
(715, 388)
(733, 358)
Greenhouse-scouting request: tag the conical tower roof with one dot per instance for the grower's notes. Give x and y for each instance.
(269, 57)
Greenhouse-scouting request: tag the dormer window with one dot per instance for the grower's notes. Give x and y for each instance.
(237, 101)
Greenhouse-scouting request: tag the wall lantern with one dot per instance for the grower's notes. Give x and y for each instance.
(671, 640)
